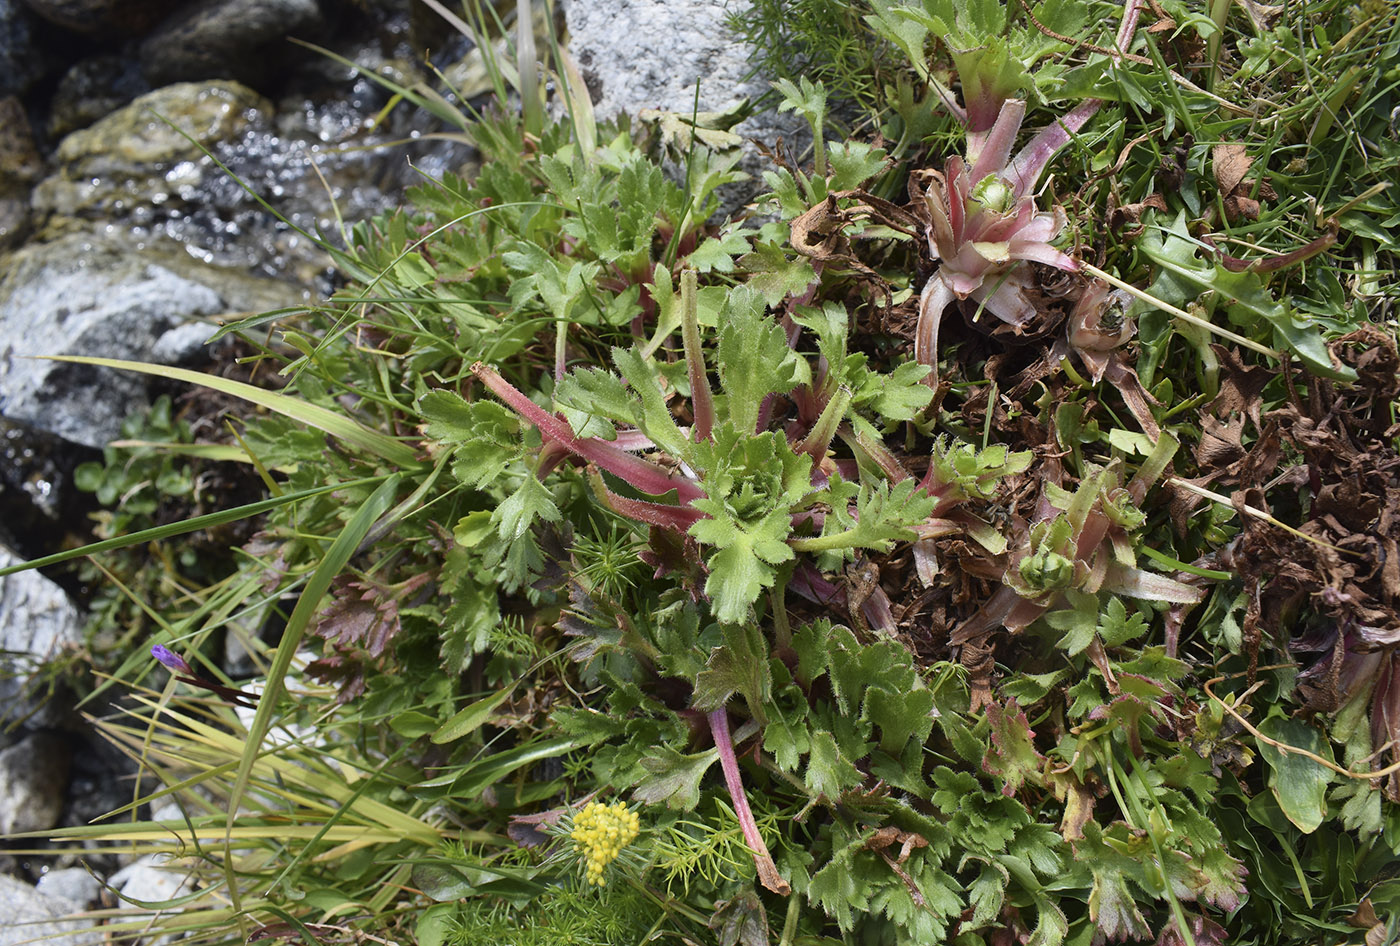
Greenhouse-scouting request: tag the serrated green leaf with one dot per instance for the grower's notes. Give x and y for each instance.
(1112, 906)
(743, 565)
(787, 739)
(828, 772)
(717, 254)
(655, 419)
(853, 163)
(902, 716)
(673, 778)
(518, 511)
(810, 642)
(473, 528)
(985, 895)
(1030, 688)
(1011, 754)
(1116, 627)
(753, 358)
(775, 274)
(592, 400)
(1080, 621)
(738, 665)
(902, 393)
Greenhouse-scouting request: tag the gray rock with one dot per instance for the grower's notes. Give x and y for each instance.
(14, 221)
(90, 294)
(637, 54)
(119, 17)
(20, 164)
(31, 917)
(182, 344)
(70, 883)
(21, 64)
(20, 167)
(227, 38)
(37, 623)
(91, 90)
(132, 157)
(650, 54)
(33, 782)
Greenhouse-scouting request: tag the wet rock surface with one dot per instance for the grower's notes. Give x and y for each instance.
(91, 89)
(43, 510)
(256, 187)
(21, 63)
(20, 167)
(127, 157)
(123, 17)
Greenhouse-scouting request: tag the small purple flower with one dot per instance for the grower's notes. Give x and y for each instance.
(171, 659)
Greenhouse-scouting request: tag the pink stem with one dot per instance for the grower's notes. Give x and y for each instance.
(678, 518)
(936, 297)
(1026, 168)
(701, 400)
(729, 762)
(645, 476)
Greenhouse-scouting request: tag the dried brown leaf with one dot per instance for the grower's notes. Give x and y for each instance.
(1130, 215)
(1230, 163)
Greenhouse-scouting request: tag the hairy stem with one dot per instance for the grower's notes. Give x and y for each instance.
(647, 477)
(729, 762)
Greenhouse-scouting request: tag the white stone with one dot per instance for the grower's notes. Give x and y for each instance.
(32, 917)
(154, 878)
(37, 623)
(95, 295)
(70, 883)
(638, 54)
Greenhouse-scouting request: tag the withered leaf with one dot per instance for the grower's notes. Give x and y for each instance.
(347, 672)
(1130, 215)
(363, 614)
(741, 921)
(891, 835)
(1262, 15)
(1231, 164)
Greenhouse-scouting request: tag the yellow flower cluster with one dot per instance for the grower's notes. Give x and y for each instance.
(602, 831)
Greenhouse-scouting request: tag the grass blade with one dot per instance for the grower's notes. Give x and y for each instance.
(319, 583)
(337, 425)
(157, 533)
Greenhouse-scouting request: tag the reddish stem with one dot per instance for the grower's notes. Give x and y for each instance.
(645, 476)
(676, 518)
(767, 870)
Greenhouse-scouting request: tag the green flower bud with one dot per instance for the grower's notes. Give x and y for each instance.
(993, 193)
(1046, 571)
